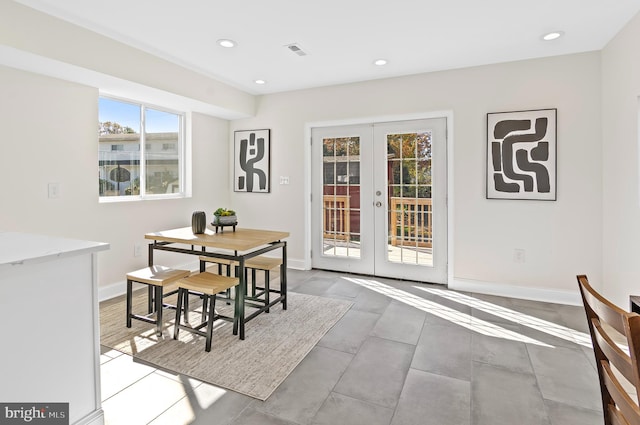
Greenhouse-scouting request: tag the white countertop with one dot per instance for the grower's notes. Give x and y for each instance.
(21, 248)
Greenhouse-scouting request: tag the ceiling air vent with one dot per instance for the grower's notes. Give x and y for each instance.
(295, 48)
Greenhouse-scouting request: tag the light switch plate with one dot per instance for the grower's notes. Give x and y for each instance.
(54, 190)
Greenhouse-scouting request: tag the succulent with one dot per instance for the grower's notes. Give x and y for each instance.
(223, 212)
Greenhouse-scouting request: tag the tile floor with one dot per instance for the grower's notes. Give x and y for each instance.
(405, 354)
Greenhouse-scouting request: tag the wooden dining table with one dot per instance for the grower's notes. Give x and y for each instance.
(239, 245)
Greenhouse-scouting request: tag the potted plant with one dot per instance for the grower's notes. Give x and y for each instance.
(223, 216)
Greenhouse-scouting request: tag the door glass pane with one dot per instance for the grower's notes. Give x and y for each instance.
(341, 196)
(410, 238)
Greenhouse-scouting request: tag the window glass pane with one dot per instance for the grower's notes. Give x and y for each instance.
(122, 166)
(118, 148)
(162, 159)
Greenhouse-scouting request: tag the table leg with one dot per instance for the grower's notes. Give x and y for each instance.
(150, 297)
(238, 322)
(241, 293)
(283, 273)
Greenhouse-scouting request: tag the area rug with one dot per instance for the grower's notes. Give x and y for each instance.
(274, 344)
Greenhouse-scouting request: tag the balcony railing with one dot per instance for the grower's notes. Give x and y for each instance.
(336, 222)
(411, 222)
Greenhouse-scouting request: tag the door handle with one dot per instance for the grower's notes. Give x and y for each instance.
(378, 204)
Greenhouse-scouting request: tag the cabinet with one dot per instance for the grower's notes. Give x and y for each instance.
(50, 349)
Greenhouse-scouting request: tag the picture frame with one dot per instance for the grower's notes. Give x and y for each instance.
(522, 155)
(252, 161)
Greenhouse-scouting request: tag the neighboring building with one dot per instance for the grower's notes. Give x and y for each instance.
(119, 163)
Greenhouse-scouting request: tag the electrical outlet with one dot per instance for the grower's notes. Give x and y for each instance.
(137, 250)
(518, 255)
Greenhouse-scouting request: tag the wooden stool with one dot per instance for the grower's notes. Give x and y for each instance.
(267, 264)
(220, 262)
(156, 278)
(208, 284)
(256, 263)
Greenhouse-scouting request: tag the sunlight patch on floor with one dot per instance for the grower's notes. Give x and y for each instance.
(446, 313)
(553, 329)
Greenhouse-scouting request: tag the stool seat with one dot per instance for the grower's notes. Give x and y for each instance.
(263, 263)
(157, 275)
(208, 284)
(156, 278)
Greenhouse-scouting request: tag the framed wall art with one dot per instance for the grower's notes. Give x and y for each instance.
(521, 155)
(251, 161)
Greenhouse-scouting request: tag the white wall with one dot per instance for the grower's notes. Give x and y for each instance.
(49, 135)
(49, 129)
(621, 200)
(486, 231)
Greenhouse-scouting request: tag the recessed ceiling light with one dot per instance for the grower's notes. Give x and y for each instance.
(224, 42)
(380, 62)
(260, 82)
(552, 35)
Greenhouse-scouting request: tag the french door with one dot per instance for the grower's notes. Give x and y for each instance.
(379, 199)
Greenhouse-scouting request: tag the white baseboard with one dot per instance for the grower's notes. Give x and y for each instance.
(296, 264)
(514, 291)
(94, 418)
(112, 290)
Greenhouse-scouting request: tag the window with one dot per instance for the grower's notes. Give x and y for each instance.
(140, 151)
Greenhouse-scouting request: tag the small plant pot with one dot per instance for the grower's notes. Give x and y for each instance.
(224, 219)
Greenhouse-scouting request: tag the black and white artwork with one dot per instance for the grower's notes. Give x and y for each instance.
(521, 155)
(252, 162)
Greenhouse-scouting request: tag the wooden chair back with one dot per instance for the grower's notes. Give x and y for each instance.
(612, 359)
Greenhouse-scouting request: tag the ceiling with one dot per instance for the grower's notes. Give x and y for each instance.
(342, 38)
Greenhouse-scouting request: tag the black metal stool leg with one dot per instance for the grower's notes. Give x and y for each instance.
(205, 302)
(253, 282)
(158, 300)
(150, 299)
(210, 323)
(185, 306)
(176, 327)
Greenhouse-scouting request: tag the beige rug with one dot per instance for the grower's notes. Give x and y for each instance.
(274, 343)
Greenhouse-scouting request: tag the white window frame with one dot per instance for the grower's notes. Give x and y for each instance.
(182, 150)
